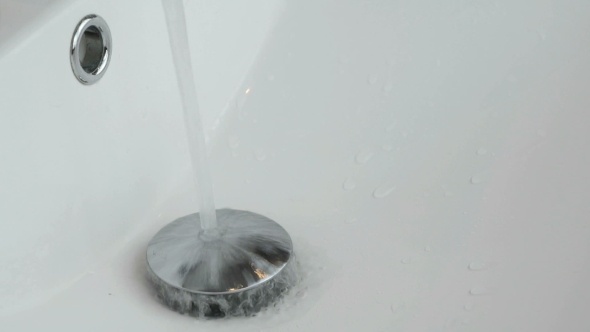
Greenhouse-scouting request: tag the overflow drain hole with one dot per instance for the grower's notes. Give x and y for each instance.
(91, 49)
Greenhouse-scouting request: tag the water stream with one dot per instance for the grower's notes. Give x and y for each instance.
(177, 32)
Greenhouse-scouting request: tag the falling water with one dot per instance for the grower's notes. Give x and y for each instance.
(174, 11)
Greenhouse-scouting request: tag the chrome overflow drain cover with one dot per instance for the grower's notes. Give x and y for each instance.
(90, 51)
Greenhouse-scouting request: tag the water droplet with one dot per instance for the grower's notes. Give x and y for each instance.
(387, 87)
(247, 181)
(541, 133)
(364, 155)
(477, 266)
(350, 220)
(348, 184)
(372, 79)
(301, 294)
(386, 147)
(383, 191)
(406, 261)
(259, 154)
(391, 127)
(468, 307)
(397, 307)
(270, 77)
(428, 248)
(476, 291)
(448, 193)
(475, 179)
(482, 151)
(450, 322)
(233, 142)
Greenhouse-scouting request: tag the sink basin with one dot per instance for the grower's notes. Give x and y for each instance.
(426, 158)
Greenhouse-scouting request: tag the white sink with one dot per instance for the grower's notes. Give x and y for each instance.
(428, 159)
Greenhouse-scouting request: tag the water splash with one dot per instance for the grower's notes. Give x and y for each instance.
(450, 322)
(476, 179)
(348, 184)
(383, 191)
(391, 126)
(259, 154)
(364, 155)
(477, 291)
(387, 87)
(233, 142)
(477, 266)
(372, 79)
(386, 147)
(350, 220)
(398, 307)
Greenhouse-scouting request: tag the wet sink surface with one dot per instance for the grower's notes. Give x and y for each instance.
(428, 160)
